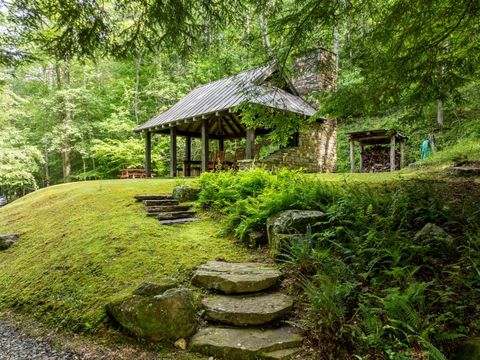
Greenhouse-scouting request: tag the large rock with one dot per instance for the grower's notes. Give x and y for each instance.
(8, 240)
(294, 224)
(468, 350)
(243, 343)
(185, 193)
(148, 288)
(232, 278)
(434, 241)
(168, 316)
(247, 310)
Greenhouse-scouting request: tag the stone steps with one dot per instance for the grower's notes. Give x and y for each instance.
(173, 215)
(243, 343)
(247, 310)
(162, 202)
(166, 209)
(178, 221)
(143, 197)
(244, 312)
(236, 278)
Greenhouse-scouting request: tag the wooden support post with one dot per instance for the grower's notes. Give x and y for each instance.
(361, 157)
(205, 151)
(402, 154)
(221, 145)
(173, 152)
(250, 144)
(392, 153)
(148, 154)
(352, 156)
(188, 156)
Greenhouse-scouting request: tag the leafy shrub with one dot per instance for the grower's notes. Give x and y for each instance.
(369, 285)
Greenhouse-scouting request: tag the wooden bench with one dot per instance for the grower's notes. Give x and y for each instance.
(133, 173)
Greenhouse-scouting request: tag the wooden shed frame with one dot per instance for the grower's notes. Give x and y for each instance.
(377, 137)
(208, 112)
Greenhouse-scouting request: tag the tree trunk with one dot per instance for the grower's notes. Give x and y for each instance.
(138, 62)
(440, 112)
(47, 170)
(336, 51)
(58, 71)
(263, 27)
(66, 164)
(84, 169)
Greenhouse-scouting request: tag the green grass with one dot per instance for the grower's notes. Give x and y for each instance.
(85, 243)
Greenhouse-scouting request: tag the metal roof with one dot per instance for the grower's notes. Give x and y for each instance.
(224, 94)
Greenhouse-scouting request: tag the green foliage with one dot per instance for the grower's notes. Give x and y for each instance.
(370, 285)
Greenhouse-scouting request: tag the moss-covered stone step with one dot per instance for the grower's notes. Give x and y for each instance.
(154, 210)
(235, 278)
(247, 310)
(178, 221)
(175, 215)
(243, 343)
(142, 197)
(164, 202)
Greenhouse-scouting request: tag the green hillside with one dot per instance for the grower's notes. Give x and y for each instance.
(84, 243)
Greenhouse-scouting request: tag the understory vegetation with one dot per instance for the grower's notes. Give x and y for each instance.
(372, 288)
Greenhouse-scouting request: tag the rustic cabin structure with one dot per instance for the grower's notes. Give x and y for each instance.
(208, 112)
(374, 156)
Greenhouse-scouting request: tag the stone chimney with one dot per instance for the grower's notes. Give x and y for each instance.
(314, 71)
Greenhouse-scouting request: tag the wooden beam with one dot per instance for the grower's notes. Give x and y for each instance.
(392, 153)
(205, 151)
(188, 156)
(148, 154)
(173, 152)
(361, 157)
(250, 144)
(402, 154)
(352, 156)
(221, 145)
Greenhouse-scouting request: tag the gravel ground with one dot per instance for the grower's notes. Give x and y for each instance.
(16, 345)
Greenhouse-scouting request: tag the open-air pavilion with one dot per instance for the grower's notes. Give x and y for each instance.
(208, 112)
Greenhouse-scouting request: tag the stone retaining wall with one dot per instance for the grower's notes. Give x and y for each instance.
(317, 151)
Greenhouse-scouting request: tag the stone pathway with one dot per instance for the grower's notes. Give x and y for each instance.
(246, 320)
(166, 209)
(15, 345)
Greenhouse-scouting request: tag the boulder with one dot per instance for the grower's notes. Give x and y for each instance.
(168, 316)
(148, 288)
(468, 350)
(185, 193)
(290, 225)
(257, 238)
(434, 241)
(8, 240)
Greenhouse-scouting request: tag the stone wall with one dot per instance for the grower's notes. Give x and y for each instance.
(314, 71)
(317, 151)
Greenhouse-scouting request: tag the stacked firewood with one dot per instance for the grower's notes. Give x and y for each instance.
(376, 158)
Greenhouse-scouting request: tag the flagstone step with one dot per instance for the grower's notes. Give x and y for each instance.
(243, 343)
(284, 354)
(142, 197)
(172, 215)
(178, 221)
(166, 208)
(247, 309)
(163, 202)
(234, 278)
